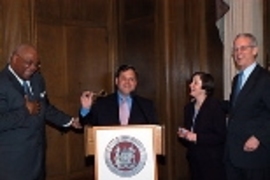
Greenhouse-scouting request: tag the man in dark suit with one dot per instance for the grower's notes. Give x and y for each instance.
(120, 108)
(248, 138)
(24, 106)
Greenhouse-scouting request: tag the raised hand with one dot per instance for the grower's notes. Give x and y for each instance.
(87, 99)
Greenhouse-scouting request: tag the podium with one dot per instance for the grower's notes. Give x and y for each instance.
(125, 152)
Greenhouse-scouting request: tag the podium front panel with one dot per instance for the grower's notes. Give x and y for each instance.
(124, 153)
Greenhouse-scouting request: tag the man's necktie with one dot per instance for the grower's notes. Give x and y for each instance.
(238, 85)
(123, 112)
(27, 89)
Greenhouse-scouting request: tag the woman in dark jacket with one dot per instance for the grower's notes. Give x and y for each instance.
(204, 130)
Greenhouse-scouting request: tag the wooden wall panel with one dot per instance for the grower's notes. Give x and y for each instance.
(87, 56)
(82, 12)
(92, 11)
(49, 9)
(137, 42)
(53, 63)
(17, 26)
(142, 57)
(73, 43)
(88, 69)
(53, 69)
(139, 8)
(172, 94)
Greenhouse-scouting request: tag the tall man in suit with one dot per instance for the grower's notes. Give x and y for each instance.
(24, 107)
(122, 107)
(248, 138)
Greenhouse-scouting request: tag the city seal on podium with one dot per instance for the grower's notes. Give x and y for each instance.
(125, 156)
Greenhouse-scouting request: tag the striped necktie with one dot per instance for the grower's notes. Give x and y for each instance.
(26, 89)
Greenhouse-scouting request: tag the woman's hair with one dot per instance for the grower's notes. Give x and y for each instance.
(207, 82)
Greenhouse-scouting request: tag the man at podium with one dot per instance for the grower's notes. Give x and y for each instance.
(122, 107)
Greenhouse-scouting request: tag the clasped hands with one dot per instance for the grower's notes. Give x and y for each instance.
(186, 134)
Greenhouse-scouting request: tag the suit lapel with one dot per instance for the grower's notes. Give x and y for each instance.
(136, 112)
(14, 80)
(196, 122)
(115, 105)
(133, 110)
(247, 87)
(35, 88)
(191, 112)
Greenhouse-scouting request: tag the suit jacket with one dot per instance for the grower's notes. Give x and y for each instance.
(105, 111)
(208, 152)
(22, 136)
(250, 116)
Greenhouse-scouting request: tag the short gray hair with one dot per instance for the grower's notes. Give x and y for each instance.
(250, 36)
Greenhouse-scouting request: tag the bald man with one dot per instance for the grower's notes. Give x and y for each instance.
(24, 106)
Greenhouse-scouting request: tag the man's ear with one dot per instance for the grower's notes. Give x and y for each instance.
(255, 51)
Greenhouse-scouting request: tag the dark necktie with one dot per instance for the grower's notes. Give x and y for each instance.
(238, 86)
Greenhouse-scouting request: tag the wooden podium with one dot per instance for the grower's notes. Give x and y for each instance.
(123, 152)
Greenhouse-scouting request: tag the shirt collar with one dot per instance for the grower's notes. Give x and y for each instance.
(17, 77)
(121, 97)
(249, 69)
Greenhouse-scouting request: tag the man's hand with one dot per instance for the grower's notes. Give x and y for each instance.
(251, 144)
(76, 123)
(32, 106)
(87, 99)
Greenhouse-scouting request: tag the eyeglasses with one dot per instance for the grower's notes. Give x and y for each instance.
(29, 62)
(241, 48)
